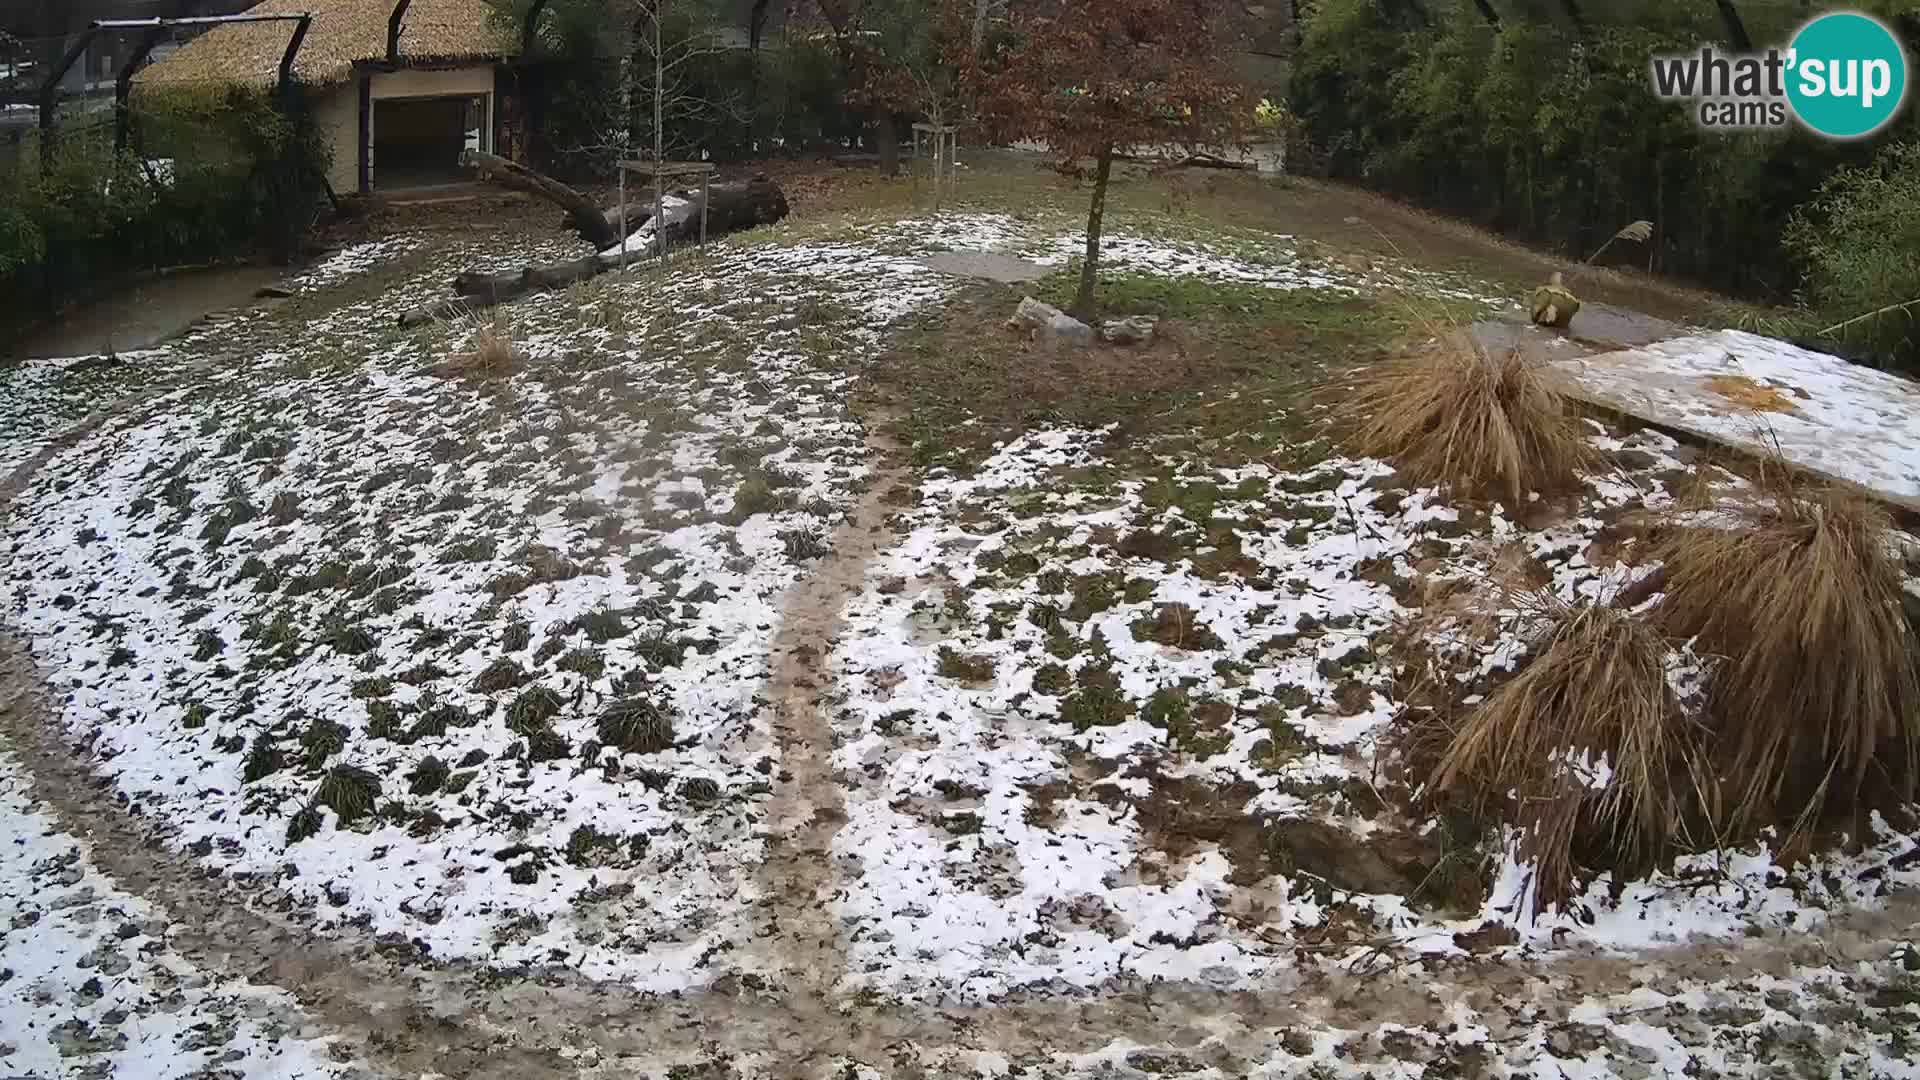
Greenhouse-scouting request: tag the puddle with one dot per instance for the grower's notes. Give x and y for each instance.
(145, 314)
(988, 265)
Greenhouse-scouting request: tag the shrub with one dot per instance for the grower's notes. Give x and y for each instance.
(1816, 691)
(1858, 246)
(1454, 415)
(1583, 741)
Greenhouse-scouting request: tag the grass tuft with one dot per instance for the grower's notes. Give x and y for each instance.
(1586, 740)
(494, 352)
(1816, 695)
(349, 791)
(637, 724)
(1482, 425)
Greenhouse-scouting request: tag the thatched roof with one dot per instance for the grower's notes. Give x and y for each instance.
(343, 33)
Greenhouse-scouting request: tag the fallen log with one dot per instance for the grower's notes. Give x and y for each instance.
(732, 207)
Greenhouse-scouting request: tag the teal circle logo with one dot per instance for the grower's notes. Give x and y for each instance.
(1847, 75)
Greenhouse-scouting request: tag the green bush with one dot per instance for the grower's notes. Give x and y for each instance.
(220, 173)
(1857, 243)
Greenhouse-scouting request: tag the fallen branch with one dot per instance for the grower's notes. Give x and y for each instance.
(1905, 308)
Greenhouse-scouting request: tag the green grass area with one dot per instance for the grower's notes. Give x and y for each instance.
(1231, 375)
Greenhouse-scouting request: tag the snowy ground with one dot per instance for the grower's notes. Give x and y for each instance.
(479, 663)
(94, 990)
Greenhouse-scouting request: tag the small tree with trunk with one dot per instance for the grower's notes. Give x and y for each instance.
(1094, 78)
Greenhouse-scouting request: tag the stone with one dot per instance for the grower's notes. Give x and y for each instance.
(1135, 330)
(1065, 329)
(1032, 314)
(272, 292)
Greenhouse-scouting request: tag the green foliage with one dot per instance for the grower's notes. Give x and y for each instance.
(1858, 244)
(1553, 134)
(220, 172)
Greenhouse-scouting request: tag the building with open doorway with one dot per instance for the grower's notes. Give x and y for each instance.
(399, 88)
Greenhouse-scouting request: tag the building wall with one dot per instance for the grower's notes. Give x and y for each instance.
(412, 82)
(337, 115)
(338, 111)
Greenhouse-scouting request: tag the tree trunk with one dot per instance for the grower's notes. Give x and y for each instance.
(886, 141)
(733, 207)
(1090, 270)
(1485, 8)
(1736, 27)
(756, 27)
(582, 214)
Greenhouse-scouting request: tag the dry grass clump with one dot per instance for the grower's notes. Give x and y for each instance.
(1477, 423)
(1805, 714)
(494, 353)
(1586, 744)
(1815, 694)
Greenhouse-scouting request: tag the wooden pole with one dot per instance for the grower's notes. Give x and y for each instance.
(706, 198)
(623, 215)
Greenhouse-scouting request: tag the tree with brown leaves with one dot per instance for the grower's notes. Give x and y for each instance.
(1094, 78)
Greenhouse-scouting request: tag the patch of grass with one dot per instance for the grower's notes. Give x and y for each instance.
(1093, 594)
(758, 493)
(503, 674)
(207, 645)
(493, 352)
(1097, 703)
(602, 625)
(304, 823)
(471, 550)
(805, 543)
(587, 663)
(533, 709)
(348, 638)
(428, 776)
(321, 740)
(637, 724)
(965, 668)
(1497, 426)
(349, 791)
(263, 759)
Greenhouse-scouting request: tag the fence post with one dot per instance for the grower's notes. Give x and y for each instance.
(123, 86)
(50, 95)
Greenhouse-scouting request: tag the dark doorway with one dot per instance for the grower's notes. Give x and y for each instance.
(417, 141)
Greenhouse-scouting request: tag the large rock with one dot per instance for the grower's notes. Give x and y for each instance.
(1067, 330)
(1054, 326)
(1135, 330)
(1032, 314)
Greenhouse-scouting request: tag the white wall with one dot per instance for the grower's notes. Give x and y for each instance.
(338, 112)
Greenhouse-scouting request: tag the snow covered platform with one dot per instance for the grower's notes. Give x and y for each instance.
(1754, 394)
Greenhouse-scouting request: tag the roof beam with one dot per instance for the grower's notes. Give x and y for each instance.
(393, 29)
